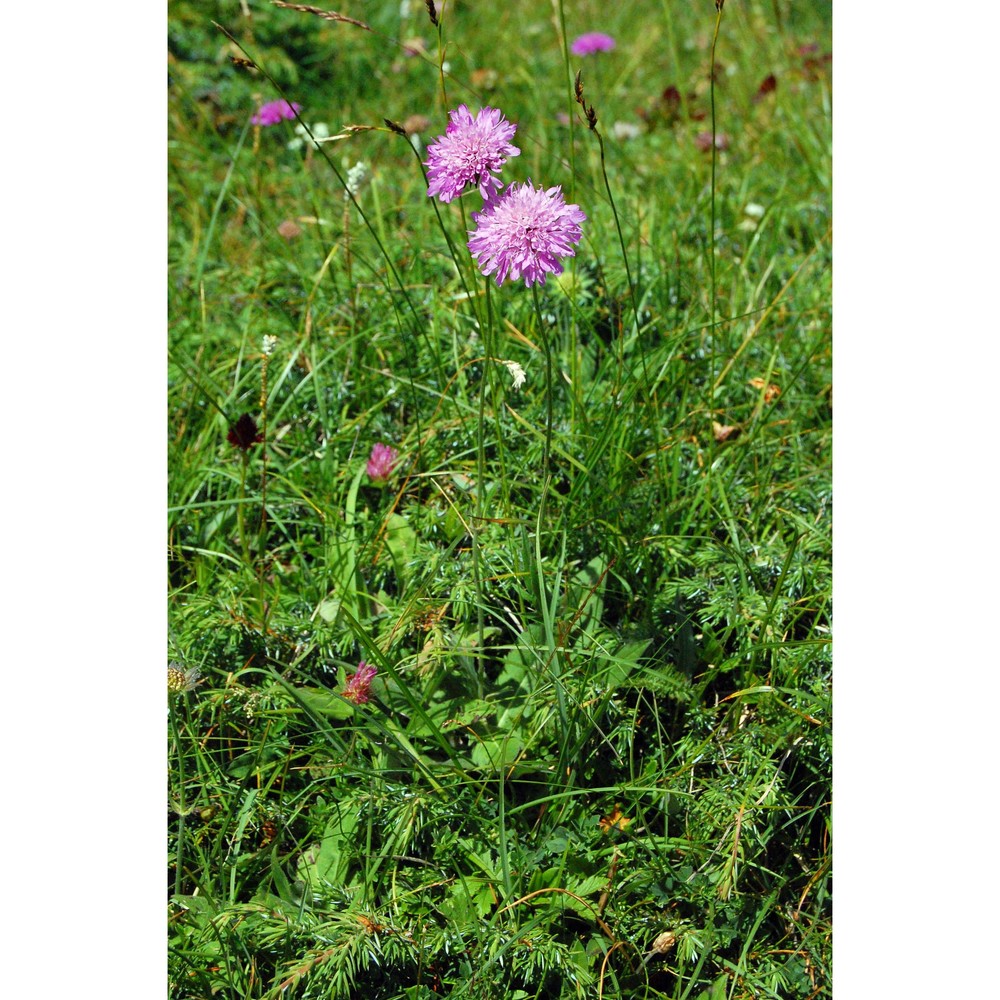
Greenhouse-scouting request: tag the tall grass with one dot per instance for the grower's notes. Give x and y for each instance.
(596, 756)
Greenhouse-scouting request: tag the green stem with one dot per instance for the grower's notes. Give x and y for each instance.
(546, 341)
(181, 802)
(711, 233)
(240, 516)
(262, 537)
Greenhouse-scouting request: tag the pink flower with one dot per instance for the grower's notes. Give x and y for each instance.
(274, 112)
(381, 463)
(470, 152)
(703, 140)
(358, 685)
(593, 41)
(524, 233)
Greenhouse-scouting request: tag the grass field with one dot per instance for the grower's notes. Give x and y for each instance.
(579, 529)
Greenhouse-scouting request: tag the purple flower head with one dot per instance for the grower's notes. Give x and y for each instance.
(470, 152)
(358, 685)
(593, 41)
(381, 463)
(274, 111)
(524, 233)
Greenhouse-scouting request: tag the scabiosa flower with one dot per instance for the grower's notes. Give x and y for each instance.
(524, 233)
(470, 152)
(274, 112)
(358, 686)
(591, 42)
(244, 434)
(381, 463)
(179, 679)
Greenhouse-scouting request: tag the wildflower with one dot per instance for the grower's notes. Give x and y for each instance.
(703, 140)
(624, 131)
(289, 229)
(413, 126)
(244, 434)
(320, 131)
(381, 463)
(179, 679)
(517, 373)
(357, 177)
(469, 152)
(358, 685)
(268, 344)
(591, 42)
(416, 123)
(274, 112)
(524, 233)
(752, 213)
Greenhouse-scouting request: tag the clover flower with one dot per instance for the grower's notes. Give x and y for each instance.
(358, 685)
(591, 42)
(524, 233)
(470, 152)
(274, 112)
(381, 463)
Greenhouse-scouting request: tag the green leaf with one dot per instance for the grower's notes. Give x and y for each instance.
(494, 752)
(337, 847)
(401, 541)
(323, 701)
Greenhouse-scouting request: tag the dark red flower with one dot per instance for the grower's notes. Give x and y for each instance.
(768, 86)
(244, 434)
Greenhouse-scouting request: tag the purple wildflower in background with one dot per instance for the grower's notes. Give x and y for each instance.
(470, 152)
(274, 112)
(358, 685)
(593, 41)
(381, 463)
(524, 233)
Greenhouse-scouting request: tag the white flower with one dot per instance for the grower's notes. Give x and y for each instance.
(268, 344)
(623, 131)
(516, 371)
(320, 131)
(752, 214)
(357, 177)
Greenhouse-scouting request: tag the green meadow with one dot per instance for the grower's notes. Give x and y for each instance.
(499, 613)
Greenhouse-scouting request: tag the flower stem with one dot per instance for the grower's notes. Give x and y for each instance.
(262, 537)
(547, 442)
(711, 232)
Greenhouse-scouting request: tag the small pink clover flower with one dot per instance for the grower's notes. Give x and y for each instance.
(381, 462)
(358, 685)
